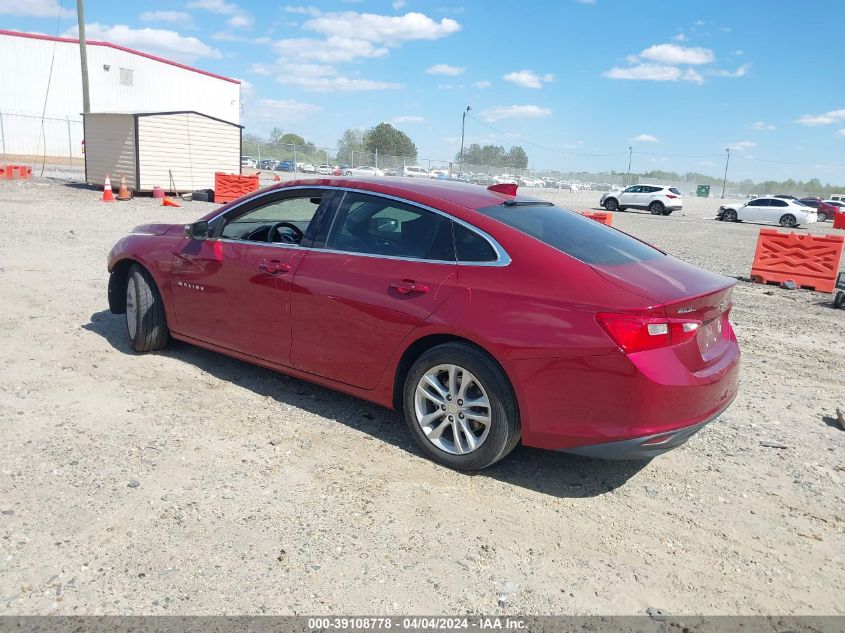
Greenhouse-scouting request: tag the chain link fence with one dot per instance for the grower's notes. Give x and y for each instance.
(53, 145)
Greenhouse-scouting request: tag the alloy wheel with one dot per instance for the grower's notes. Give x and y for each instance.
(131, 309)
(453, 409)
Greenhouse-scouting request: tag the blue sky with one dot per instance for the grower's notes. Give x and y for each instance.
(575, 82)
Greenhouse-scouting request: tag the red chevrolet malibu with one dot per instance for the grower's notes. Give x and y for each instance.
(487, 317)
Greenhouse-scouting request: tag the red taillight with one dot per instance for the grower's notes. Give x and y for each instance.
(671, 195)
(633, 333)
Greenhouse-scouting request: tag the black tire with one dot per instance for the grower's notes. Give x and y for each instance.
(611, 204)
(503, 434)
(150, 323)
(839, 299)
(729, 215)
(788, 221)
(656, 208)
(822, 216)
(667, 212)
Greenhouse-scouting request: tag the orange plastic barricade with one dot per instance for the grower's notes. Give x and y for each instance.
(227, 187)
(599, 216)
(811, 261)
(11, 172)
(839, 220)
(24, 172)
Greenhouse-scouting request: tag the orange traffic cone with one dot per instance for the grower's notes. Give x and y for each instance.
(108, 194)
(167, 202)
(123, 192)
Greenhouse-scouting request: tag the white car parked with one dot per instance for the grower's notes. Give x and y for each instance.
(324, 170)
(414, 171)
(659, 200)
(363, 170)
(788, 213)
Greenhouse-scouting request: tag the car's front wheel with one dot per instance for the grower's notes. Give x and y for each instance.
(460, 408)
(146, 323)
(611, 204)
(729, 215)
(788, 221)
(656, 208)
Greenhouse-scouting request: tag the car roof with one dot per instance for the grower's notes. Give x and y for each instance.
(424, 191)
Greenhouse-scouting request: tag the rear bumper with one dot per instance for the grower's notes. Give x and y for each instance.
(646, 447)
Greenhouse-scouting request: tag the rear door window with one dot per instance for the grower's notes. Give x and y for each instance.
(675, 191)
(584, 239)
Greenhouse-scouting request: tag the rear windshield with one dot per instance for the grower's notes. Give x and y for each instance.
(573, 234)
(675, 191)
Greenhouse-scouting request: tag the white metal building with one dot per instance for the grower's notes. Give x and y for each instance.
(177, 151)
(120, 80)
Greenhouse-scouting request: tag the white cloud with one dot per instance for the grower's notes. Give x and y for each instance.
(738, 52)
(760, 125)
(312, 11)
(645, 72)
(515, 112)
(168, 44)
(481, 85)
(528, 78)
(840, 132)
(672, 54)
(693, 76)
(31, 8)
(389, 30)
(166, 16)
(680, 37)
(226, 36)
(741, 146)
(331, 50)
(281, 110)
(408, 118)
(445, 69)
(828, 118)
(585, 1)
(240, 21)
(215, 6)
(644, 138)
(260, 69)
(739, 72)
(398, 4)
(335, 84)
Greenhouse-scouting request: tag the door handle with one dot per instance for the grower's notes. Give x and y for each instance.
(274, 266)
(407, 286)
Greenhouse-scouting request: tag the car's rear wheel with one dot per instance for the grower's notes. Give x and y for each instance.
(822, 216)
(656, 208)
(788, 221)
(460, 408)
(729, 215)
(611, 204)
(839, 300)
(146, 323)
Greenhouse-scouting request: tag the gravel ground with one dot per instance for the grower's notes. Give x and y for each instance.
(186, 482)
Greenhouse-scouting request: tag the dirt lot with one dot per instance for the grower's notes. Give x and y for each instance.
(186, 482)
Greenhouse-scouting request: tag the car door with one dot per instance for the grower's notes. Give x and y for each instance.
(778, 208)
(628, 197)
(754, 211)
(386, 267)
(233, 290)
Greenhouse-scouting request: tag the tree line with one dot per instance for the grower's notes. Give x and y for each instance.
(810, 187)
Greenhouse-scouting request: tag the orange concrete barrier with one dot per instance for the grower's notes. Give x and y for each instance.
(599, 216)
(227, 187)
(811, 261)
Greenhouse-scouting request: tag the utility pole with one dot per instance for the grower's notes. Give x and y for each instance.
(727, 162)
(628, 177)
(83, 55)
(463, 125)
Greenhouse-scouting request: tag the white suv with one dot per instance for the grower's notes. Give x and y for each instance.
(656, 198)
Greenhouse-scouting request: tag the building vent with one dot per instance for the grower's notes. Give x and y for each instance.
(127, 77)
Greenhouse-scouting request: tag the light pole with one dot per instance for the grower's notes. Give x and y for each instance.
(83, 55)
(628, 177)
(463, 126)
(727, 162)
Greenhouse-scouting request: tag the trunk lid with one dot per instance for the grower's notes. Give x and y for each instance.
(687, 293)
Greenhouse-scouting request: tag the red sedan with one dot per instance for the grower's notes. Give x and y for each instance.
(488, 317)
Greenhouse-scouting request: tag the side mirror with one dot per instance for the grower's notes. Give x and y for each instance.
(197, 230)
